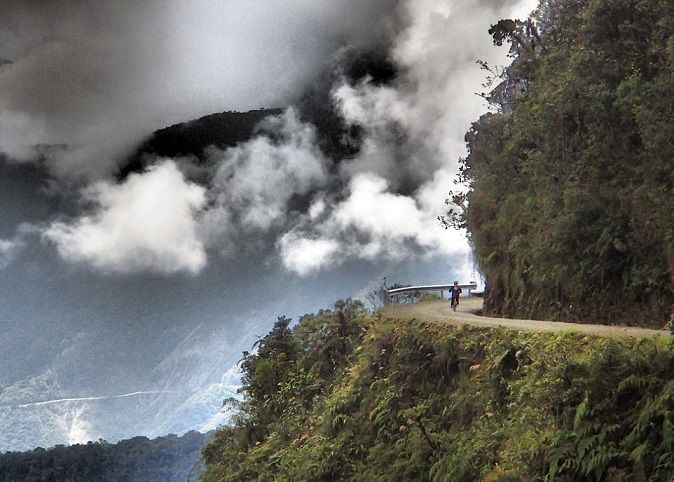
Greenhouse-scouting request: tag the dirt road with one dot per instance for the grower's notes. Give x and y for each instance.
(440, 311)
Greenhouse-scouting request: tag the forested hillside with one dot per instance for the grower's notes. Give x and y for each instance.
(344, 396)
(571, 201)
(164, 459)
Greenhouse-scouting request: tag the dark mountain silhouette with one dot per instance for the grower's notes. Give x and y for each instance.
(315, 105)
(222, 130)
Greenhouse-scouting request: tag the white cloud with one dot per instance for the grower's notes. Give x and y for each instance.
(371, 209)
(305, 256)
(417, 125)
(523, 9)
(316, 209)
(256, 180)
(370, 223)
(413, 138)
(157, 221)
(146, 223)
(278, 187)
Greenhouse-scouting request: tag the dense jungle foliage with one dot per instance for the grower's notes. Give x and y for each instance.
(344, 396)
(571, 202)
(164, 459)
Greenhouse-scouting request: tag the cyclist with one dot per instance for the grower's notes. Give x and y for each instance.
(454, 292)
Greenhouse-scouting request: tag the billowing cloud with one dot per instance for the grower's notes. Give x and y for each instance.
(370, 223)
(148, 223)
(417, 125)
(278, 189)
(413, 136)
(158, 221)
(255, 181)
(305, 256)
(89, 80)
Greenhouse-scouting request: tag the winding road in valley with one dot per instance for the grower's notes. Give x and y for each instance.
(467, 314)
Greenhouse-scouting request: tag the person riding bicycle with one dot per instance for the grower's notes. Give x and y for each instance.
(454, 292)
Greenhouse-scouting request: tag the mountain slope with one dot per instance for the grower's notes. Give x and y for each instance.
(344, 396)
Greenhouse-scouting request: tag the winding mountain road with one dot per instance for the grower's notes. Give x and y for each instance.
(467, 314)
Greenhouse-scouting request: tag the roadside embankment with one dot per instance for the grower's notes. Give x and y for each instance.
(347, 396)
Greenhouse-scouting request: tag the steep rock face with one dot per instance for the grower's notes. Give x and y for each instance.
(345, 397)
(570, 208)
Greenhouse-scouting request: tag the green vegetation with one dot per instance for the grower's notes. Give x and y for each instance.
(344, 396)
(571, 201)
(163, 459)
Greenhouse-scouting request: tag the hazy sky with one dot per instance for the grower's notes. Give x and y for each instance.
(89, 260)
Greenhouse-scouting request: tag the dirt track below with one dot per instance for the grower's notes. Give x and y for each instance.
(467, 314)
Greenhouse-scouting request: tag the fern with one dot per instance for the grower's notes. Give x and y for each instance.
(582, 411)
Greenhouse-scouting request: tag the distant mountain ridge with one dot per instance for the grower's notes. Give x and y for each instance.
(163, 459)
(222, 130)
